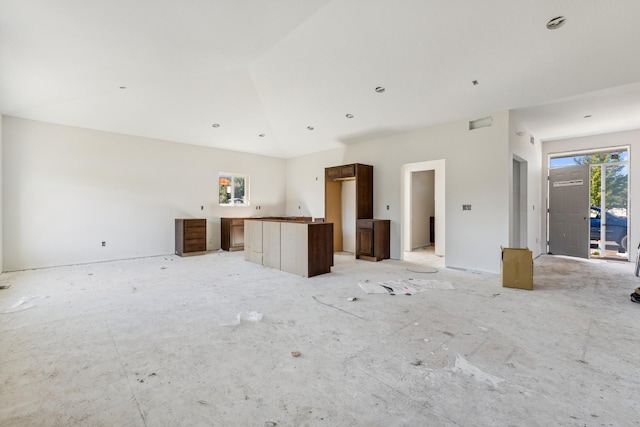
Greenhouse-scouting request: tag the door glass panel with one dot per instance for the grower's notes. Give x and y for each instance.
(608, 217)
(615, 203)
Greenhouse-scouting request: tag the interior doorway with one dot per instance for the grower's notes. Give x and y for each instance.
(422, 209)
(423, 198)
(519, 224)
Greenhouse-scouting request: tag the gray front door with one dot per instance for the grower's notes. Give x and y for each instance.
(569, 211)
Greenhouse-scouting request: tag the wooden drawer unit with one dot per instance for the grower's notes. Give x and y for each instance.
(232, 234)
(373, 239)
(191, 236)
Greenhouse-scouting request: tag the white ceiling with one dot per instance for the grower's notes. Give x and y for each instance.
(274, 67)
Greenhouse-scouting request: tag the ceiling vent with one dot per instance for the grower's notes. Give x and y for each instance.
(481, 123)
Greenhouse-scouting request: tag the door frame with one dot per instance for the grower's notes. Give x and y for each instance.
(439, 199)
(581, 152)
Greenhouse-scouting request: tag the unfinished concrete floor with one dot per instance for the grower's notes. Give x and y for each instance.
(144, 343)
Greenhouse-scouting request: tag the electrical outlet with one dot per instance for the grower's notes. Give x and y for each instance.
(466, 207)
(104, 243)
(387, 207)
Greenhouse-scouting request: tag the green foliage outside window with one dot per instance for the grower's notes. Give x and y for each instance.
(616, 179)
(233, 189)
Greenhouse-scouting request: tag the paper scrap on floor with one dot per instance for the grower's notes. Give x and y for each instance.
(404, 286)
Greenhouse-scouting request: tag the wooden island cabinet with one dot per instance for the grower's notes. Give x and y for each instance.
(299, 247)
(232, 230)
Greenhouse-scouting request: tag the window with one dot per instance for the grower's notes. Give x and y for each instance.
(234, 189)
(618, 155)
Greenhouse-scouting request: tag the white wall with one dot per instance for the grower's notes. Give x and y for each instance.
(477, 173)
(68, 189)
(520, 147)
(305, 182)
(1, 198)
(422, 207)
(629, 139)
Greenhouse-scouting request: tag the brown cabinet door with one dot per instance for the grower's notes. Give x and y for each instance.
(365, 242)
(348, 171)
(237, 236)
(364, 191)
(332, 173)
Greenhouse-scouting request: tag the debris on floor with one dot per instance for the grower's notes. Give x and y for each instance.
(296, 354)
(352, 299)
(433, 270)
(252, 316)
(337, 308)
(24, 303)
(463, 366)
(404, 286)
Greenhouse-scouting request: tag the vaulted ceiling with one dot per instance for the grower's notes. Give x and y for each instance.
(279, 77)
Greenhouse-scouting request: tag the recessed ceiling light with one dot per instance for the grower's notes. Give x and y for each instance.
(349, 116)
(556, 22)
(215, 125)
(261, 135)
(380, 89)
(310, 127)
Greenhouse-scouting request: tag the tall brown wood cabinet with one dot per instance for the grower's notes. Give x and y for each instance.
(334, 176)
(191, 236)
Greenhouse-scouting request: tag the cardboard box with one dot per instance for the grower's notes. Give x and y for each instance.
(517, 268)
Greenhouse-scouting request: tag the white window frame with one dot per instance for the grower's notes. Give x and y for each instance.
(233, 200)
